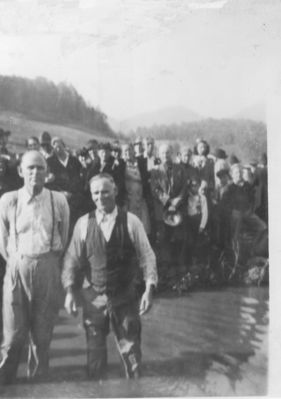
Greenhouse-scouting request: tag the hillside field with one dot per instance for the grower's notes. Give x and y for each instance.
(21, 128)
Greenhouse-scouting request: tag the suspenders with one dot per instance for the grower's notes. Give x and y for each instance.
(53, 220)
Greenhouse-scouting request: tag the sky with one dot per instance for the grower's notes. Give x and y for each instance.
(127, 57)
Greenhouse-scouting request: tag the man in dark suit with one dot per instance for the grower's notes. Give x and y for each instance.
(168, 185)
(66, 172)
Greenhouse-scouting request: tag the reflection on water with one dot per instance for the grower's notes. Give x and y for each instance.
(205, 343)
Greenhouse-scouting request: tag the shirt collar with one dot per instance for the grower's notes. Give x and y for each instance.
(65, 162)
(25, 196)
(109, 216)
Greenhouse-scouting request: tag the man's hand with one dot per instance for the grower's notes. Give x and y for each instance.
(70, 303)
(146, 301)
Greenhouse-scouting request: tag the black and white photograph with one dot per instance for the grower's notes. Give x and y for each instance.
(139, 215)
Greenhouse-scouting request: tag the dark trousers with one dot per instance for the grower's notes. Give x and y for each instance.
(99, 314)
(171, 248)
(196, 244)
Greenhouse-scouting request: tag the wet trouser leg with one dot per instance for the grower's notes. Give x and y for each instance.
(96, 323)
(126, 326)
(31, 303)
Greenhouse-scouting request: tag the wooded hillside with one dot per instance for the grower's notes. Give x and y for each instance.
(42, 100)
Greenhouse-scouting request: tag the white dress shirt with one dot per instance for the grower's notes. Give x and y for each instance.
(28, 231)
(145, 254)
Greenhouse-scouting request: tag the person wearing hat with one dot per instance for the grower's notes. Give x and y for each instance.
(233, 160)
(149, 153)
(220, 163)
(168, 187)
(67, 172)
(102, 264)
(32, 143)
(138, 147)
(46, 148)
(204, 166)
(105, 160)
(92, 148)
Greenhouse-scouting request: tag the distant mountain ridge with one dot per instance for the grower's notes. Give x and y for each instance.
(163, 116)
(255, 112)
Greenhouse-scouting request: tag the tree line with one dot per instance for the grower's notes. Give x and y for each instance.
(246, 138)
(41, 99)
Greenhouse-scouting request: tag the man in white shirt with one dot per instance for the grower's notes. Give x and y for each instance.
(34, 226)
(108, 249)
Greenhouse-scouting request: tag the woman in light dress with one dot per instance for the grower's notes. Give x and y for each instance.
(134, 182)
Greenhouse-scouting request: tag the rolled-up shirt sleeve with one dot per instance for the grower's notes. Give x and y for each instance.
(145, 254)
(73, 259)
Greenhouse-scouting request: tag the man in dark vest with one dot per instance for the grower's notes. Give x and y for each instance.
(107, 251)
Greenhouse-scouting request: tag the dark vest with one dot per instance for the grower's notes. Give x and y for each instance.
(116, 272)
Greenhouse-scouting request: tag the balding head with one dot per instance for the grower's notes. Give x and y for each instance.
(33, 155)
(165, 153)
(33, 170)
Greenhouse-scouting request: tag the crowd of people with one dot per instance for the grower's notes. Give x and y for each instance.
(101, 212)
(190, 202)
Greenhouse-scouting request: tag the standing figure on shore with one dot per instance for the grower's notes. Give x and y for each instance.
(108, 249)
(168, 185)
(66, 170)
(34, 226)
(138, 193)
(204, 166)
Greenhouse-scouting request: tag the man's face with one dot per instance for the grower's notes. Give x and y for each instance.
(33, 170)
(138, 148)
(127, 153)
(32, 145)
(165, 154)
(59, 147)
(149, 147)
(201, 148)
(185, 157)
(237, 175)
(103, 155)
(104, 193)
